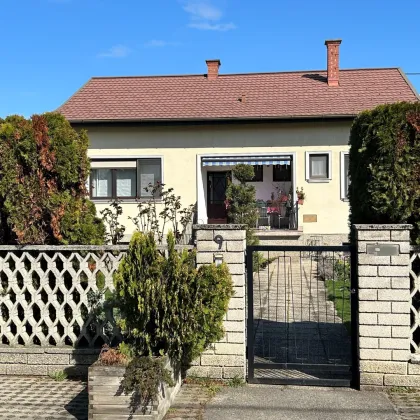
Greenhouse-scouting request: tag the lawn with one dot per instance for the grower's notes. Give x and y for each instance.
(339, 293)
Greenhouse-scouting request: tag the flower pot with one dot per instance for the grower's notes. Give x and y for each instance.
(301, 200)
(106, 398)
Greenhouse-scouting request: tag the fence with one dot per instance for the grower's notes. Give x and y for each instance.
(45, 297)
(415, 299)
(47, 313)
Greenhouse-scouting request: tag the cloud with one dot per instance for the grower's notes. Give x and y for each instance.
(117, 51)
(206, 26)
(159, 43)
(205, 16)
(202, 10)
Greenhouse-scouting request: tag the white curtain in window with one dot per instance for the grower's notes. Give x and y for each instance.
(101, 183)
(126, 182)
(149, 173)
(318, 166)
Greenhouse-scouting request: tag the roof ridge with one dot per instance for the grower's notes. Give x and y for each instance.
(240, 74)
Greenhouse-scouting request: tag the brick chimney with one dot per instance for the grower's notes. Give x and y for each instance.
(213, 69)
(333, 68)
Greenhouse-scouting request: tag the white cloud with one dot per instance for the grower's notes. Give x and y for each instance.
(117, 51)
(205, 16)
(202, 10)
(159, 43)
(206, 26)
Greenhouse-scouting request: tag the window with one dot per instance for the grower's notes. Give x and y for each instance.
(125, 179)
(318, 166)
(258, 170)
(345, 178)
(282, 173)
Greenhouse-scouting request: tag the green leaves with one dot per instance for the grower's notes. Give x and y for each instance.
(167, 305)
(43, 172)
(385, 166)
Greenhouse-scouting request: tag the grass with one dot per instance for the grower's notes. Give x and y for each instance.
(58, 375)
(213, 386)
(339, 293)
(235, 382)
(403, 390)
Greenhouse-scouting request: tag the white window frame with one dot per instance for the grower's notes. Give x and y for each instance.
(114, 161)
(343, 192)
(307, 166)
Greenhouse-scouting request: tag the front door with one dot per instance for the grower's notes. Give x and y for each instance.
(216, 196)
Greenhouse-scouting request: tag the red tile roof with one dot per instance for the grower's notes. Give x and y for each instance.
(302, 94)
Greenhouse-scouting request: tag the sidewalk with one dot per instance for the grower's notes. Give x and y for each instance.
(298, 403)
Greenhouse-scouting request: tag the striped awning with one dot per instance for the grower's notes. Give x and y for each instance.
(247, 160)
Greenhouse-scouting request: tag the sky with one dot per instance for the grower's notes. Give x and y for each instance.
(50, 48)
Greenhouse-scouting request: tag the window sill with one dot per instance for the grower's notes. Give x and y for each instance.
(124, 201)
(318, 181)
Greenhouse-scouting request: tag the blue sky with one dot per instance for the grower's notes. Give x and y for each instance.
(51, 48)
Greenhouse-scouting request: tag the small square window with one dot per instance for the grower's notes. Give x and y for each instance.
(258, 171)
(282, 173)
(318, 166)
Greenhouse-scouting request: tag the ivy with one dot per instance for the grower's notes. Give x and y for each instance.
(385, 166)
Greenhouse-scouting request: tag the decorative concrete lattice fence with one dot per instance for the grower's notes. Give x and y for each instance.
(46, 319)
(415, 300)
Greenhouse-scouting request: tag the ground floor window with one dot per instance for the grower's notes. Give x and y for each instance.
(282, 173)
(258, 173)
(124, 179)
(345, 178)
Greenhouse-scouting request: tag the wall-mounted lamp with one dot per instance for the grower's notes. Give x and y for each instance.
(218, 259)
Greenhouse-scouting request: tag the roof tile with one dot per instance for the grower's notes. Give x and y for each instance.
(268, 95)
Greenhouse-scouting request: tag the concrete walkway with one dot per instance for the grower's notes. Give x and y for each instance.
(296, 403)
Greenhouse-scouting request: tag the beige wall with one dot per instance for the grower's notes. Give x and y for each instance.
(180, 147)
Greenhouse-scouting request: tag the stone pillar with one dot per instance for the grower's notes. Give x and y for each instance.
(384, 307)
(225, 359)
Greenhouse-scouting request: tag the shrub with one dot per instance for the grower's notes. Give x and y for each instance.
(385, 166)
(43, 172)
(167, 305)
(241, 200)
(143, 377)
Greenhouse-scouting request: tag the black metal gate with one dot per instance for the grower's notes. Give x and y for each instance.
(302, 315)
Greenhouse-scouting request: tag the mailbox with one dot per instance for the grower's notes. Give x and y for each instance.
(383, 250)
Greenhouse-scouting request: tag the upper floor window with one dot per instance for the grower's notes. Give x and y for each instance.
(125, 179)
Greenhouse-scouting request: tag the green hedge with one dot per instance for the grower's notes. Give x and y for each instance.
(43, 171)
(385, 166)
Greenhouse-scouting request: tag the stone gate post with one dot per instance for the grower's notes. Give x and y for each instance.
(384, 334)
(216, 243)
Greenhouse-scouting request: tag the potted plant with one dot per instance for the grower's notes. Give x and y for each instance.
(300, 195)
(153, 293)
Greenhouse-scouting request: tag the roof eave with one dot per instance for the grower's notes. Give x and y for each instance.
(212, 120)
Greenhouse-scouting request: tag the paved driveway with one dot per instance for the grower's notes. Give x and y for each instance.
(296, 403)
(42, 398)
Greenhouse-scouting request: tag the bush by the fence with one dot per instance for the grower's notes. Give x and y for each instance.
(385, 166)
(167, 305)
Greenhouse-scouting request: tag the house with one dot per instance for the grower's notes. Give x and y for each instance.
(187, 131)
